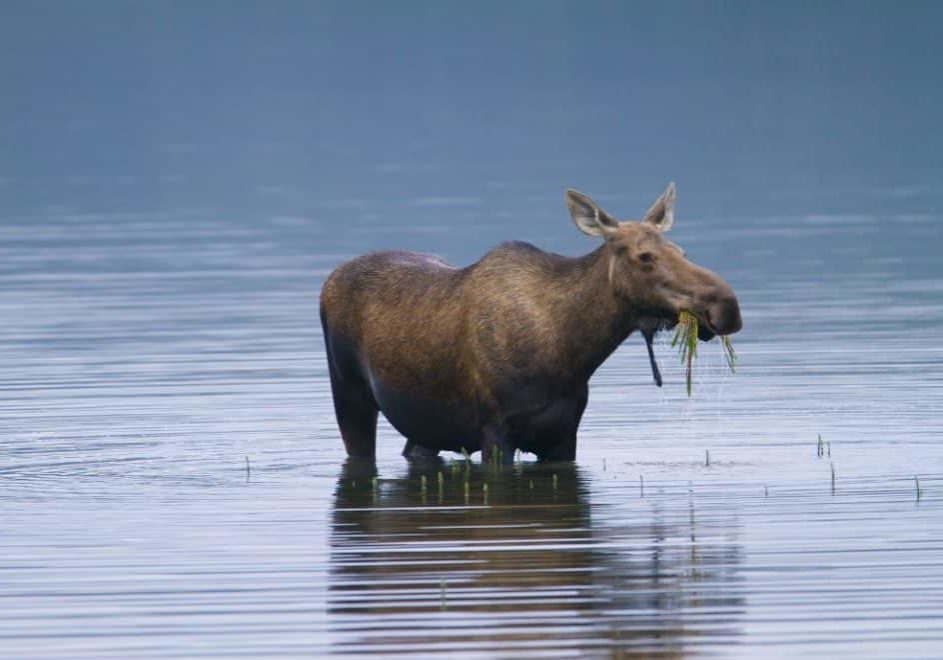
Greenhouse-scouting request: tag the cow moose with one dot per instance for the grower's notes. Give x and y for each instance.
(497, 356)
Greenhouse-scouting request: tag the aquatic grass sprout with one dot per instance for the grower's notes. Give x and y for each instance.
(685, 339)
(730, 355)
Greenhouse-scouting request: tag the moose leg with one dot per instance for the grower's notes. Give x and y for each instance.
(357, 419)
(564, 450)
(354, 404)
(356, 411)
(560, 442)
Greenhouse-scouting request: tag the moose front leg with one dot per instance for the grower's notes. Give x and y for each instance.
(495, 446)
(557, 441)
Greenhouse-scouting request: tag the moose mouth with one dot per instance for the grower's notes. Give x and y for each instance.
(705, 329)
(651, 326)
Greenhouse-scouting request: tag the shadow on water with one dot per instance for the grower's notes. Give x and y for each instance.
(470, 558)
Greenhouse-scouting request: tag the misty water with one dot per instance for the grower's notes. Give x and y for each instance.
(172, 480)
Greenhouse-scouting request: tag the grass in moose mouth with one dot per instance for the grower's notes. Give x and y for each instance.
(685, 338)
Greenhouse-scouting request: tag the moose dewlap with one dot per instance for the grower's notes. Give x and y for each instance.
(497, 356)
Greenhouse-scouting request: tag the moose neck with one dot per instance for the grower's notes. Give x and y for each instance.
(596, 319)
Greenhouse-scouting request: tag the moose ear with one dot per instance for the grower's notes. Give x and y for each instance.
(587, 216)
(662, 213)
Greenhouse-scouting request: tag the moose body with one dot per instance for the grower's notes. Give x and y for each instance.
(497, 356)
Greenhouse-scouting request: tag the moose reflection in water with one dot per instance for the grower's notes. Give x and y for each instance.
(463, 557)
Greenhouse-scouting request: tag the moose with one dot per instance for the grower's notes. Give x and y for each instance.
(497, 356)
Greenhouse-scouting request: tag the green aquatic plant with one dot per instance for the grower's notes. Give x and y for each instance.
(467, 464)
(730, 355)
(685, 339)
(497, 457)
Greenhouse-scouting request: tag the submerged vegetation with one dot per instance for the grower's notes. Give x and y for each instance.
(685, 339)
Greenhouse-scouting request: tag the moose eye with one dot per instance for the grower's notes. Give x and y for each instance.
(646, 258)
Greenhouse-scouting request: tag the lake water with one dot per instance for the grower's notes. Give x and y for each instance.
(173, 484)
(176, 182)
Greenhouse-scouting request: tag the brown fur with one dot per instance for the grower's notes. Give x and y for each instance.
(497, 356)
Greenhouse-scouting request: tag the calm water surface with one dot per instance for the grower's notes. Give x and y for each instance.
(172, 483)
(178, 179)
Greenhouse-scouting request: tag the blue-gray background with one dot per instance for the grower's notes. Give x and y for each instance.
(177, 179)
(234, 105)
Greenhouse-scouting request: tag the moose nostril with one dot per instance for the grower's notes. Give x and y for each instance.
(732, 320)
(724, 317)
